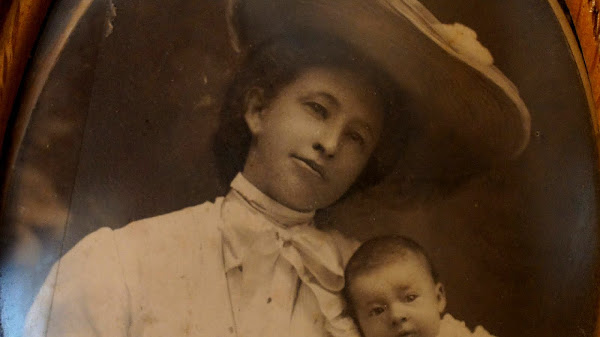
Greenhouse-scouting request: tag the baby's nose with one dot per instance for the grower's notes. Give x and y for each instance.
(398, 314)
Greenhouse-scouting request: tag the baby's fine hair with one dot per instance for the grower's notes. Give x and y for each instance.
(276, 63)
(378, 252)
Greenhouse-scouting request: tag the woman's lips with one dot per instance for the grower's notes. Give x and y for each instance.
(311, 166)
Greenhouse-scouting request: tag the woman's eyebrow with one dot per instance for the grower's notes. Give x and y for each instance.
(329, 97)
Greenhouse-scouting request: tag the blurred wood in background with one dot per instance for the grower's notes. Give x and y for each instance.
(20, 23)
(586, 19)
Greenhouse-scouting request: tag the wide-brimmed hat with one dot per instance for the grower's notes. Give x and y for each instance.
(472, 115)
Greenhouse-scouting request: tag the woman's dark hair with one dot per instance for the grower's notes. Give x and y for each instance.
(275, 64)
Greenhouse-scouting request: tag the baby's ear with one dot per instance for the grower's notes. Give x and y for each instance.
(440, 293)
(254, 104)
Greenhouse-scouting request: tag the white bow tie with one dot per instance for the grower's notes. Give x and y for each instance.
(260, 245)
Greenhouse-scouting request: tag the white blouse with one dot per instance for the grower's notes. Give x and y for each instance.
(179, 274)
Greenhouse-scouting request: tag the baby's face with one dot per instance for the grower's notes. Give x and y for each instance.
(398, 299)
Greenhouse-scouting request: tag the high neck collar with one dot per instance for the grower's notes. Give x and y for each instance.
(263, 204)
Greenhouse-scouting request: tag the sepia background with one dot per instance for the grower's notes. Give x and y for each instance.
(122, 128)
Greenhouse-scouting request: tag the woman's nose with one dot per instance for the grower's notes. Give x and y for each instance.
(327, 143)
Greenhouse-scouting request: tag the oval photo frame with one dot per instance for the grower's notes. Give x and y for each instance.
(114, 122)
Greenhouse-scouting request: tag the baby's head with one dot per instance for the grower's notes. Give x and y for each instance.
(392, 289)
(303, 118)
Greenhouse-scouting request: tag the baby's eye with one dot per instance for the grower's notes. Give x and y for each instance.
(376, 311)
(411, 297)
(317, 108)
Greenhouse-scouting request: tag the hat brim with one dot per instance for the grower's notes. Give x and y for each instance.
(473, 115)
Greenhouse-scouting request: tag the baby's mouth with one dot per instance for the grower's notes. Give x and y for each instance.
(311, 166)
(406, 333)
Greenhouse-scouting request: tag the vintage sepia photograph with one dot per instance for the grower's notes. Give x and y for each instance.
(301, 168)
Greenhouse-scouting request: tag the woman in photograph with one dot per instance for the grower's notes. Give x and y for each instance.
(325, 97)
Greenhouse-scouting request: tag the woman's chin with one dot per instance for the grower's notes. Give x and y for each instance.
(301, 199)
(301, 204)
(296, 192)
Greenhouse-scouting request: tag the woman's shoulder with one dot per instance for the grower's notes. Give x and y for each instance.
(86, 247)
(451, 327)
(150, 233)
(176, 222)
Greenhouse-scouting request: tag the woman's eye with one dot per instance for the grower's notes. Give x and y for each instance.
(376, 311)
(411, 297)
(318, 109)
(357, 137)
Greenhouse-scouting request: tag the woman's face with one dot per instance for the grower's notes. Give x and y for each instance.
(312, 140)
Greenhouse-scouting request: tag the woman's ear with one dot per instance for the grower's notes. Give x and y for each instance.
(440, 293)
(254, 105)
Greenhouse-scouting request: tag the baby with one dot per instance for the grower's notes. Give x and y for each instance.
(392, 289)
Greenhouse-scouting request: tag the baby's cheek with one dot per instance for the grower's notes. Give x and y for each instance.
(372, 328)
(434, 328)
